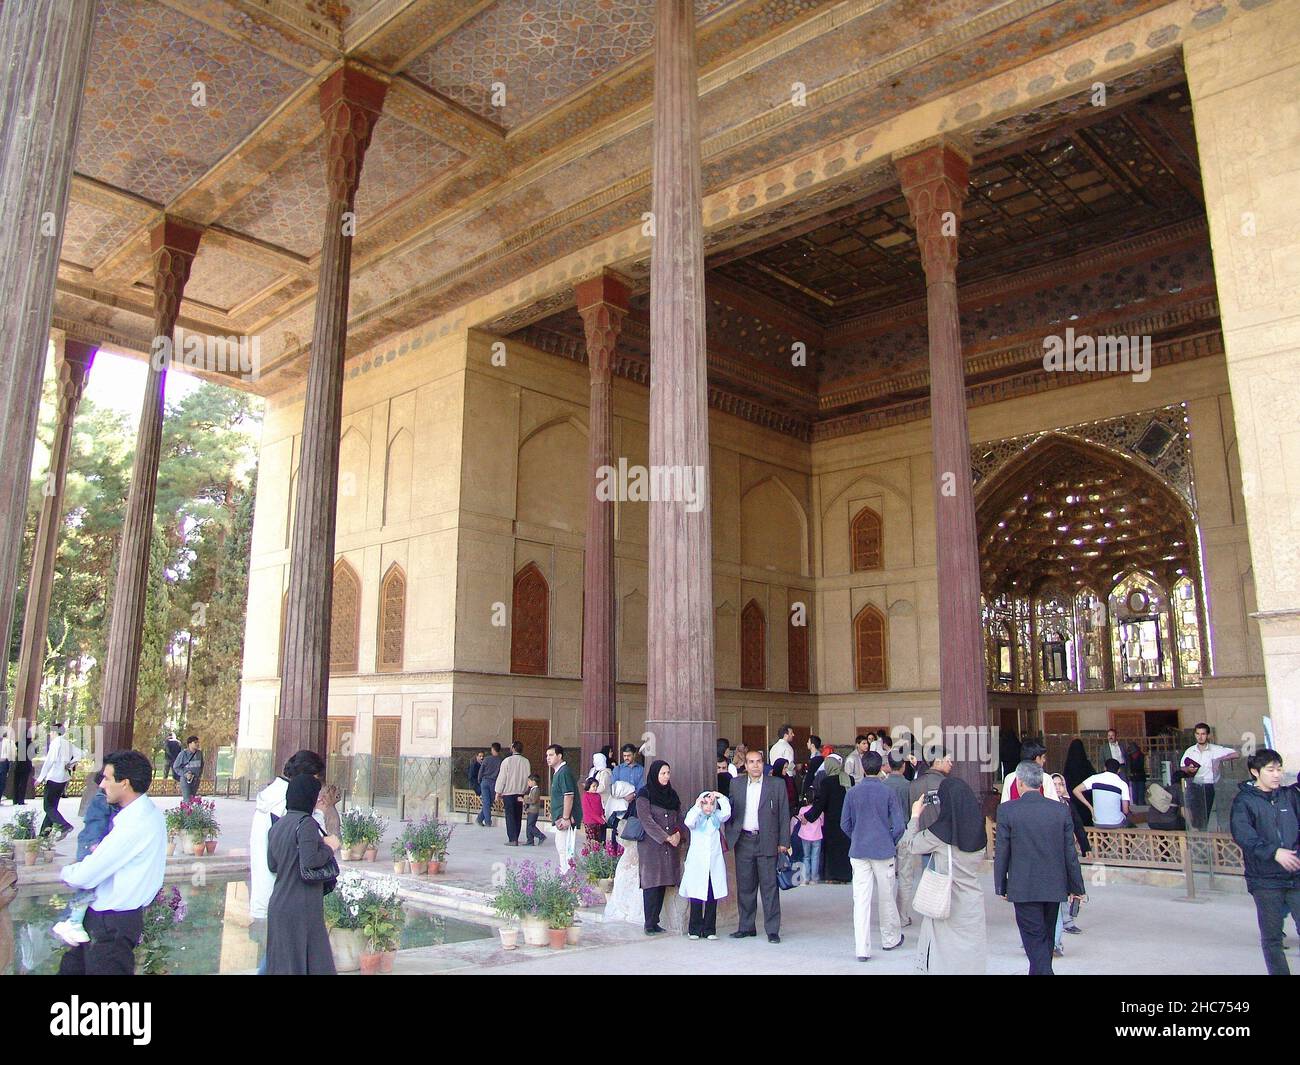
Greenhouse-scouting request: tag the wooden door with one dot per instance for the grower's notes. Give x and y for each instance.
(534, 735)
(340, 739)
(754, 737)
(385, 763)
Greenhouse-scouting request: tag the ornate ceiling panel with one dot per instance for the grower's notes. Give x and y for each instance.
(140, 130)
(286, 209)
(90, 233)
(540, 53)
(224, 279)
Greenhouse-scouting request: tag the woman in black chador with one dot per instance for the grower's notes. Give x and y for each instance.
(297, 942)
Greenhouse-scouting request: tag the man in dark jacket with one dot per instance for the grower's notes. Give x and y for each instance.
(1266, 825)
(1036, 866)
(873, 820)
(188, 768)
(759, 830)
(487, 784)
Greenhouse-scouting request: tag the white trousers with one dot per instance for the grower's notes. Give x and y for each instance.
(874, 876)
(566, 845)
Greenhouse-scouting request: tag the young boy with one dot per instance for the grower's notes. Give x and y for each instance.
(533, 808)
(99, 819)
(1265, 822)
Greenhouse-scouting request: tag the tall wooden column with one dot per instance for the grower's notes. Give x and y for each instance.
(174, 245)
(73, 365)
(46, 52)
(935, 182)
(680, 712)
(350, 103)
(602, 302)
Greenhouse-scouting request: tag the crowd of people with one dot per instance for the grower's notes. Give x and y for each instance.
(907, 834)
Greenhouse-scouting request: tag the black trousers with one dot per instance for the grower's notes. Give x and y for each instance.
(22, 770)
(1200, 805)
(653, 903)
(514, 816)
(1037, 924)
(4, 775)
(756, 873)
(114, 935)
(1271, 908)
(704, 916)
(53, 793)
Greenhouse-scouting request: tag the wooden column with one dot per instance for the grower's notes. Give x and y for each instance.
(73, 365)
(935, 182)
(680, 709)
(602, 302)
(350, 103)
(174, 245)
(46, 52)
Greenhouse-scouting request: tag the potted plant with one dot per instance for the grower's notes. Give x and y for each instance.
(600, 863)
(211, 829)
(343, 920)
(379, 917)
(158, 920)
(415, 841)
(400, 864)
(193, 820)
(351, 826)
(509, 936)
(439, 837)
(46, 846)
(21, 833)
(517, 896)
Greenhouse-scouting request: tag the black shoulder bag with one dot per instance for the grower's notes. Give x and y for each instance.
(327, 874)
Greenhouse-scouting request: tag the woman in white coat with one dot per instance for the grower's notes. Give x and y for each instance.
(704, 877)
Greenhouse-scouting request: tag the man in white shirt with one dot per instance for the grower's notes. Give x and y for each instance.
(1204, 774)
(125, 871)
(1112, 747)
(54, 775)
(7, 752)
(1110, 796)
(783, 747)
(1030, 752)
(271, 805)
(853, 763)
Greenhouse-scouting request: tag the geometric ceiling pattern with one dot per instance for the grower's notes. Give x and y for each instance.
(539, 53)
(460, 198)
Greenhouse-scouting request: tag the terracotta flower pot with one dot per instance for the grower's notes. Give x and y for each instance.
(27, 848)
(210, 846)
(369, 963)
(419, 868)
(400, 867)
(386, 960)
(557, 937)
(200, 848)
(573, 934)
(534, 930)
(509, 938)
(371, 853)
(435, 867)
(347, 945)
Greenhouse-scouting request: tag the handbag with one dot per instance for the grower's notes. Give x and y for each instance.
(632, 830)
(933, 896)
(327, 874)
(784, 872)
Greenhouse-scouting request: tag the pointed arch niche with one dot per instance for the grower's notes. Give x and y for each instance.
(345, 619)
(866, 542)
(1091, 546)
(391, 650)
(870, 641)
(530, 616)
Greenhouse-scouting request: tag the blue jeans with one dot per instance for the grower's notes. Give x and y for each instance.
(1063, 921)
(486, 790)
(812, 860)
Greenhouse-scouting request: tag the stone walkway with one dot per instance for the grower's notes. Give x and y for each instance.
(1129, 928)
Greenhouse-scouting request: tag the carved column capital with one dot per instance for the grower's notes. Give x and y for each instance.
(350, 103)
(73, 366)
(935, 182)
(174, 244)
(602, 303)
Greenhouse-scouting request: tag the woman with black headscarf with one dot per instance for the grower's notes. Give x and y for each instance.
(955, 842)
(1078, 769)
(784, 772)
(828, 799)
(659, 852)
(297, 942)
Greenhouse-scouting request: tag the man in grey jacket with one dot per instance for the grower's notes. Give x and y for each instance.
(188, 768)
(758, 831)
(511, 783)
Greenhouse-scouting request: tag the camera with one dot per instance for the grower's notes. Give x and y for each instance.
(931, 798)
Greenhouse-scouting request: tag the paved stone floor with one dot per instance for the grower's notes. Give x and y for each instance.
(1129, 928)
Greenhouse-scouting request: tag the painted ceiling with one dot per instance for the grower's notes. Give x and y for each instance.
(207, 110)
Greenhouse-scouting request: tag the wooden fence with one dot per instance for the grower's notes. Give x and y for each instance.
(465, 801)
(1143, 848)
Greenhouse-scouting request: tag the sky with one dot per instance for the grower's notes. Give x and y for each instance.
(117, 381)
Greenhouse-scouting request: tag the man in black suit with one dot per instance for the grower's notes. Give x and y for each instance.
(1036, 865)
(759, 829)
